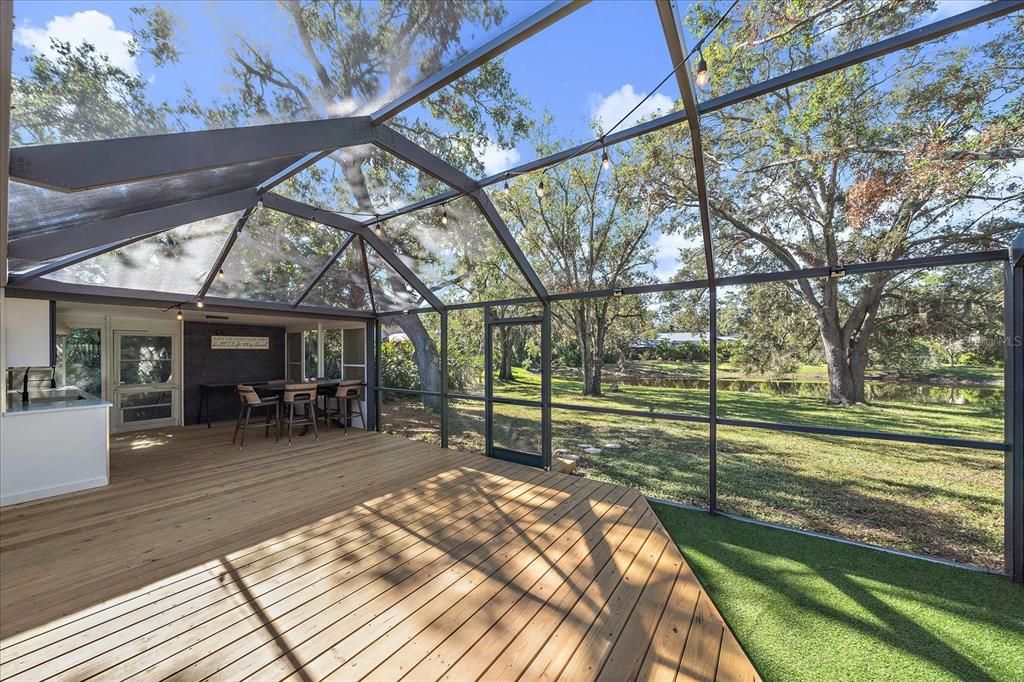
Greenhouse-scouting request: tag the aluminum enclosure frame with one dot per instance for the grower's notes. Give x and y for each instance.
(72, 167)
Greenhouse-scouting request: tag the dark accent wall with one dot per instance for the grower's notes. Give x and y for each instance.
(206, 366)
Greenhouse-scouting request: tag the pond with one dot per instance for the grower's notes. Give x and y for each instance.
(876, 391)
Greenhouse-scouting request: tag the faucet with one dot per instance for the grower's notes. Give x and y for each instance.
(24, 386)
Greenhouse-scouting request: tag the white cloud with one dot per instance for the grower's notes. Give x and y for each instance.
(89, 26)
(496, 158)
(607, 111)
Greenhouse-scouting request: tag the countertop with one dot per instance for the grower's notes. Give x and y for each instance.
(52, 400)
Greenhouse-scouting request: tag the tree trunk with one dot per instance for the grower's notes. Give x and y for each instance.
(590, 333)
(428, 360)
(505, 352)
(844, 386)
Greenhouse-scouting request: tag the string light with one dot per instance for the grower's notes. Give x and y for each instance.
(259, 203)
(179, 316)
(378, 230)
(220, 274)
(702, 71)
(199, 303)
(506, 190)
(444, 215)
(606, 163)
(540, 190)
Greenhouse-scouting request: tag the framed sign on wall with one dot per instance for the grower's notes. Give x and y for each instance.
(239, 342)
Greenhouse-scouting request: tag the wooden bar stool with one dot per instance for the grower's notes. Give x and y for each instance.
(338, 405)
(300, 407)
(251, 400)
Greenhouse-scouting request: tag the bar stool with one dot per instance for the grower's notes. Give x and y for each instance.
(300, 407)
(251, 400)
(347, 391)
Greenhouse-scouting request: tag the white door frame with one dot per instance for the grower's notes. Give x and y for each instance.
(117, 390)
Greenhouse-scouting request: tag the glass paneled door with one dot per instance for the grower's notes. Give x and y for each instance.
(146, 391)
(516, 389)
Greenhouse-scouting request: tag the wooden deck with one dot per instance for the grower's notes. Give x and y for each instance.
(356, 557)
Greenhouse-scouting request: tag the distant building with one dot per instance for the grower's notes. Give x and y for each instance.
(677, 339)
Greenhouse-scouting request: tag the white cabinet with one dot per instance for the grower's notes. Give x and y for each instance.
(27, 330)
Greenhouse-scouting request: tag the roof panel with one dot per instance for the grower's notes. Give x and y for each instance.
(606, 228)
(274, 258)
(35, 210)
(176, 261)
(567, 84)
(344, 284)
(900, 156)
(454, 251)
(360, 181)
(759, 41)
(238, 63)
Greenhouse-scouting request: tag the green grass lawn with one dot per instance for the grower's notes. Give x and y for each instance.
(940, 501)
(811, 609)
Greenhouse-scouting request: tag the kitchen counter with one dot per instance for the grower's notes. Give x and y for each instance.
(52, 400)
(56, 443)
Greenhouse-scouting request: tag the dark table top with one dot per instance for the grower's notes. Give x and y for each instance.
(279, 384)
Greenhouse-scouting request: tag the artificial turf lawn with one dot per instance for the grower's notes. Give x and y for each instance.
(805, 608)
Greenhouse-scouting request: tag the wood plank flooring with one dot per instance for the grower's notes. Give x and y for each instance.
(363, 556)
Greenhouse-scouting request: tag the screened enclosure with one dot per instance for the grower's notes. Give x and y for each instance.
(759, 258)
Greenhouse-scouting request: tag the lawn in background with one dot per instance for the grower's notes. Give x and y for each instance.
(805, 608)
(940, 501)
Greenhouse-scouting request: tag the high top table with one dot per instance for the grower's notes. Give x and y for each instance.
(265, 387)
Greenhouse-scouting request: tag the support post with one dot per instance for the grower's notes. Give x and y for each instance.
(373, 373)
(1014, 416)
(545, 386)
(444, 378)
(488, 385)
(713, 400)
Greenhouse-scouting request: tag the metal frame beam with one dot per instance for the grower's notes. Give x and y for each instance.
(1013, 367)
(492, 48)
(411, 153)
(73, 166)
(301, 210)
(672, 24)
(86, 293)
(114, 231)
(323, 271)
(6, 53)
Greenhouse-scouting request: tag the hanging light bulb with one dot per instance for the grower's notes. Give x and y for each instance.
(378, 230)
(259, 203)
(444, 215)
(606, 163)
(220, 274)
(540, 190)
(505, 190)
(199, 303)
(702, 72)
(179, 316)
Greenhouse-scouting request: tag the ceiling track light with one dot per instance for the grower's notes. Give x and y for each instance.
(702, 71)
